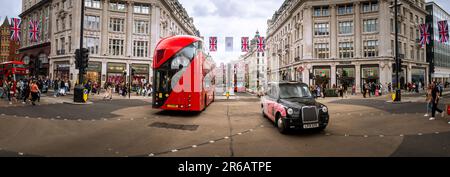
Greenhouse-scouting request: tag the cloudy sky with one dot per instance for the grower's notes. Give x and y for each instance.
(221, 18)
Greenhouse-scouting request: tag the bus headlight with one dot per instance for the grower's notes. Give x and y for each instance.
(290, 111)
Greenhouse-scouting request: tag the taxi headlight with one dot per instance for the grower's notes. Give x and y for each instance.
(290, 111)
(325, 109)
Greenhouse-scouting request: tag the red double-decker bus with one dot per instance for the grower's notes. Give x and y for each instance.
(183, 77)
(13, 71)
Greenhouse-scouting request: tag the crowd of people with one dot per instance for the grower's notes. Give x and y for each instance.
(25, 90)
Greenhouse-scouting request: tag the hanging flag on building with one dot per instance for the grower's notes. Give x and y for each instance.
(34, 31)
(424, 35)
(261, 44)
(212, 44)
(15, 29)
(443, 31)
(245, 44)
(229, 44)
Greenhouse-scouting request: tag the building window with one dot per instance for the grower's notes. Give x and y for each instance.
(370, 7)
(345, 9)
(140, 49)
(346, 50)
(141, 27)
(322, 50)
(92, 22)
(346, 27)
(321, 11)
(92, 3)
(116, 47)
(142, 9)
(370, 48)
(93, 44)
(117, 6)
(370, 25)
(321, 29)
(116, 25)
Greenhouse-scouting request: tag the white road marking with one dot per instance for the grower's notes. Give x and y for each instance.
(211, 142)
(226, 137)
(175, 150)
(151, 155)
(239, 133)
(194, 146)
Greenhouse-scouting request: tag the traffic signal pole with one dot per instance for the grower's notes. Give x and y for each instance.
(79, 88)
(397, 58)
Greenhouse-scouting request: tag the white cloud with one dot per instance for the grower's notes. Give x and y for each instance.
(10, 8)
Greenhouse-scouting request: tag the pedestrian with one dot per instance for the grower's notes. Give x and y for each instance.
(428, 101)
(34, 92)
(341, 91)
(354, 90)
(26, 91)
(435, 101)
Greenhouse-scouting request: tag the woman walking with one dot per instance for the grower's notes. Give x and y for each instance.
(428, 101)
(34, 92)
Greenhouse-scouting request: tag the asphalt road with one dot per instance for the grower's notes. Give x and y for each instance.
(370, 127)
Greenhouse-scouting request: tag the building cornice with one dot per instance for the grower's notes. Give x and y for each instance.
(34, 7)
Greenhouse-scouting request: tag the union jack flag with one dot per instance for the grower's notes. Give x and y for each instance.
(15, 29)
(34, 31)
(244, 42)
(424, 35)
(443, 31)
(212, 44)
(261, 44)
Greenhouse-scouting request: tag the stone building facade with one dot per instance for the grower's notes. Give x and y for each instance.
(255, 67)
(345, 38)
(120, 35)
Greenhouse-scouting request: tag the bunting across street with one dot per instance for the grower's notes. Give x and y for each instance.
(245, 44)
(212, 44)
(443, 31)
(424, 35)
(15, 29)
(34, 31)
(261, 44)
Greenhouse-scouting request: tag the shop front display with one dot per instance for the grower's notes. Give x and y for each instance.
(61, 70)
(418, 75)
(141, 74)
(322, 76)
(345, 75)
(94, 71)
(115, 73)
(370, 74)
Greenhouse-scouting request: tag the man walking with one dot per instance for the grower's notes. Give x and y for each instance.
(435, 101)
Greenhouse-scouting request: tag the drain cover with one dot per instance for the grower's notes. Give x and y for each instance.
(174, 126)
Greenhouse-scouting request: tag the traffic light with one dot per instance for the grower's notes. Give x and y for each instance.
(84, 58)
(77, 59)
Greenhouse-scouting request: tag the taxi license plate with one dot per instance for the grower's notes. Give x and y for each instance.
(308, 126)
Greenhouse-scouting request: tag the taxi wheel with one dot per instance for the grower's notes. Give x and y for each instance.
(280, 125)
